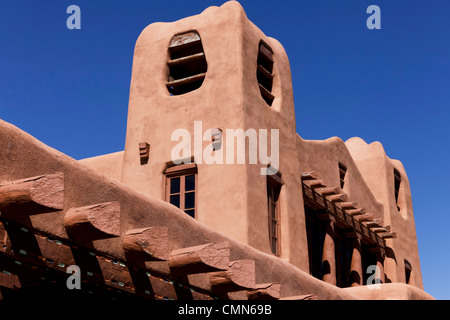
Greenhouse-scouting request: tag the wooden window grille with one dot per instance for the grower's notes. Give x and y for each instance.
(274, 184)
(342, 172)
(264, 72)
(187, 64)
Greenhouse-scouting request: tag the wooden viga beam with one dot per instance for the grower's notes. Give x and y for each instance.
(336, 197)
(309, 175)
(150, 243)
(315, 183)
(347, 205)
(388, 235)
(374, 223)
(364, 217)
(328, 191)
(265, 291)
(383, 229)
(32, 195)
(239, 276)
(200, 259)
(355, 212)
(98, 221)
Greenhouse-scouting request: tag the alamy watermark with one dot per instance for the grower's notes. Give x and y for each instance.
(74, 20)
(374, 280)
(374, 20)
(74, 280)
(232, 150)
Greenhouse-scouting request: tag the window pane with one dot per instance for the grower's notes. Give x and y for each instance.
(175, 185)
(190, 212)
(189, 183)
(189, 200)
(175, 200)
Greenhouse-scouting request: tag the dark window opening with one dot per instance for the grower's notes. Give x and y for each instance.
(369, 258)
(397, 182)
(343, 255)
(315, 232)
(187, 64)
(264, 72)
(408, 270)
(273, 194)
(181, 187)
(342, 172)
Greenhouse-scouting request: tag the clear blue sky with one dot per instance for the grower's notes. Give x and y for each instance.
(69, 88)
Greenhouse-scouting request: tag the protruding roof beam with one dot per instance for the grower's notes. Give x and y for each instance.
(239, 276)
(151, 242)
(97, 221)
(199, 259)
(309, 175)
(45, 191)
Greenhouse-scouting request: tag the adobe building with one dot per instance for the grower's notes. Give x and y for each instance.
(317, 220)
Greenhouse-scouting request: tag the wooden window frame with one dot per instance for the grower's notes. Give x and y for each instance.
(274, 183)
(181, 171)
(264, 72)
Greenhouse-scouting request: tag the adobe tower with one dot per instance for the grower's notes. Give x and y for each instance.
(336, 210)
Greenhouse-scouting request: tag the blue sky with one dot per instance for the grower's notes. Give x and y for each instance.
(69, 88)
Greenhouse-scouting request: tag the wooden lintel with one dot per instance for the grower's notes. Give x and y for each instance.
(97, 221)
(151, 242)
(200, 259)
(239, 276)
(266, 291)
(45, 191)
(324, 216)
(374, 249)
(351, 234)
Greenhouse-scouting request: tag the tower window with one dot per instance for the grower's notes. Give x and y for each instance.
(181, 187)
(264, 72)
(342, 172)
(187, 64)
(274, 184)
(408, 270)
(397, 182)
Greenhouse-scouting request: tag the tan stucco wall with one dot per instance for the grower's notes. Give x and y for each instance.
(108, 164)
